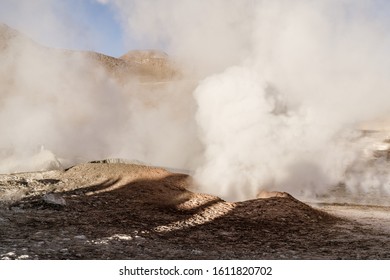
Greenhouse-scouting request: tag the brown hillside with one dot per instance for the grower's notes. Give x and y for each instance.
(145, 66)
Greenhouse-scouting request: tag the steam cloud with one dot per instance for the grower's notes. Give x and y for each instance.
(281, 88)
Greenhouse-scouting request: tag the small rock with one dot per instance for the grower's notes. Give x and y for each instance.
(122, 237)
(23, 257)
(196, 252)
(17, 209)
(81, 237)
(54, 198)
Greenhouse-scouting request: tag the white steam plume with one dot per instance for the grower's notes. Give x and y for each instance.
(59, 108)
(51, 100)
(283, 85)
(288, 82)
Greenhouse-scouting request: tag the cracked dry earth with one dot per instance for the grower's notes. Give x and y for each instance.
(129, 211)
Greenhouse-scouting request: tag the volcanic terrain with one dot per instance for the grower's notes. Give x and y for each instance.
(114, 209)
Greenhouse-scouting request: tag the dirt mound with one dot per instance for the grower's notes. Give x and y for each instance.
(115, 210)
(268, 194)
(144, 212)
(163, 188)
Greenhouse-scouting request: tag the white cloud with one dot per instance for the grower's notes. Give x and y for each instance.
(103, 2)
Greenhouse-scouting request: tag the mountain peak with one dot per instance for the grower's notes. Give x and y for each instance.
(142, 55)
(7, 32)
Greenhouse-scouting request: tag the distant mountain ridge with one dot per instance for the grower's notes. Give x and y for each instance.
(6, 34)
(145, 65)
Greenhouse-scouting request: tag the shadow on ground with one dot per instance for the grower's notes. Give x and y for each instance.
(159, 218)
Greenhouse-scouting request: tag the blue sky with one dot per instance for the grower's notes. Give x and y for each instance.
(89, 25)
(102, 22)
(70, 24)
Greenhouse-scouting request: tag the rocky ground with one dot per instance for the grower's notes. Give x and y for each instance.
(129, 211)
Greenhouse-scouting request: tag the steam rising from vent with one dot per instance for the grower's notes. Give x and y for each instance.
(271, 95)
(287, 84)
(63, 107)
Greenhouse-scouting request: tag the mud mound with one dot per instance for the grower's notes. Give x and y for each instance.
(94, 171)
(144, 183)
(159, 186)
(268, 194)
(108, 210)
(285, 210)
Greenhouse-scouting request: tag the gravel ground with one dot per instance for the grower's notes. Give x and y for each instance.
(129, 211)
